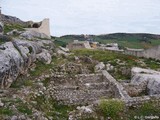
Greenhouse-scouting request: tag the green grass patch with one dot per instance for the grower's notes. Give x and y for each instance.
(10, 27)
(147, 109)
(23, 108)
(112, 108)
(112, 57)
(6, 111)
(52, 108)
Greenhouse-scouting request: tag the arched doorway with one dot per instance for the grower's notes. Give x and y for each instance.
(35, 25)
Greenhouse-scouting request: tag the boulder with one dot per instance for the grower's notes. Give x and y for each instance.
(154, 86)
(14, 32)
(137, 70)
(44, 57)
(109, 67)
(64, 49)
(100, 66)
(147, 82)
(61, 52)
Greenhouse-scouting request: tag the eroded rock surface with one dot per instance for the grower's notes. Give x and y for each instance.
(144, 81)
(32, 34)
(15, 59)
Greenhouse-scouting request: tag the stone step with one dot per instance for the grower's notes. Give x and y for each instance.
(81, 96)
(87, 86)
(96, 86)
(92, 79)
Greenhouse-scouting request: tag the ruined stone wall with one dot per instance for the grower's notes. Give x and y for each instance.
(44, 28)
(81, 89)
(117, 88)
(86, 88)
(74, 46)
(153, 53)
(138, 101)
(134, 53)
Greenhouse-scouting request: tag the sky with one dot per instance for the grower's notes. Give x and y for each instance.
(89, 16)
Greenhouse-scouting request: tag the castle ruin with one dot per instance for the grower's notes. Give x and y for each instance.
(40, 27)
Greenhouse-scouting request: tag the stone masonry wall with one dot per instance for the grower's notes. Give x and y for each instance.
(153, 53)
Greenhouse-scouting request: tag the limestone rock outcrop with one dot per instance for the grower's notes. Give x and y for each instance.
(136, 70)
(6, 19)
(45, 57)
(15, 59)
(33, 34)
(147, 82)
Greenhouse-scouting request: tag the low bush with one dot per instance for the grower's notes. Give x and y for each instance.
(112, 108)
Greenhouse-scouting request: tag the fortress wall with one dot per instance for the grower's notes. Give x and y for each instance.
(117, 88)
(44, 28)
(134, 53)
(152, 53)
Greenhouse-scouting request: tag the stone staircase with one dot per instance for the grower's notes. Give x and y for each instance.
(88, 89)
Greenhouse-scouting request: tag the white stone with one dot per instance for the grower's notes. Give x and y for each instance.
(100, 66)
(44, 57)
(147, 81)
(137, 70)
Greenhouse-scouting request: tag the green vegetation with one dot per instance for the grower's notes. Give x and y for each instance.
(147, 109)
(22, 82)
(4, 38)
(23, 108)
(60, 43)
(123, 39)
(10, 27)
(6, 111)
(112, 108)
(117, 110)
(51, 108)
(40, 68)
(8, 102)
(125, 63)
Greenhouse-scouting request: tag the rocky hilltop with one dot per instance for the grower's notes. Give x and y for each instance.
(40, 80)
(17, 56)
(6, 19)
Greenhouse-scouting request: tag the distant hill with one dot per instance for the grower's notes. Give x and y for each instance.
(132, 40)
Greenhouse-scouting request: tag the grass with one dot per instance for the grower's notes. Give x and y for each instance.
(123, 39)
(23, 108)
(41, 68)
(6, 111)
(112, 108)
(51, 108)
(10, 27)
(117, 110)
(147, 109)
(112, 57)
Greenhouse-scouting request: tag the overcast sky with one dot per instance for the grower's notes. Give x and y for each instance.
(89, 16)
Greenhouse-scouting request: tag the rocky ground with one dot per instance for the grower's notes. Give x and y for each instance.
(42, 81)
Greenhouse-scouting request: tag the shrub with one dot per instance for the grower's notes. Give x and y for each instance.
(112, 108)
